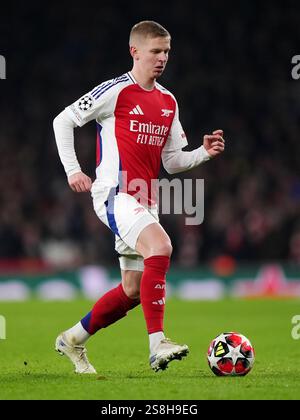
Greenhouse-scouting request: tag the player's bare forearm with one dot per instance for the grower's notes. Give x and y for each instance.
(80, 182)
(214, 143)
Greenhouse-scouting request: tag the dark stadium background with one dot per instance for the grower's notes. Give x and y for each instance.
(230, 67)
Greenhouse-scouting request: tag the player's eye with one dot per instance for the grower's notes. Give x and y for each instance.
(159, 51)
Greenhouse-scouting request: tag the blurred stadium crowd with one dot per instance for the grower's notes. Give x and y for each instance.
(230, 68)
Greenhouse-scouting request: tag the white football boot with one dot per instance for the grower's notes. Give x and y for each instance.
(76, 353)
(165, 352)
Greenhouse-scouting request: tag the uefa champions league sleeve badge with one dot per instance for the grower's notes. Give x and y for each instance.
(85, 103)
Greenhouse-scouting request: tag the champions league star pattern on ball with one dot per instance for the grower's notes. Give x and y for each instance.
(230, 354)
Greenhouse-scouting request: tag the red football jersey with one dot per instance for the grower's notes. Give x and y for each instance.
(134, 125)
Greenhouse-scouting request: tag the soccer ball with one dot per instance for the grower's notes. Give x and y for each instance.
(230, 354)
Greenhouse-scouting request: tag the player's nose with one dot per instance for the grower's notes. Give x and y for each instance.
(163, 57)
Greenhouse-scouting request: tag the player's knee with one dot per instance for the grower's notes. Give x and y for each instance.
(162, 248)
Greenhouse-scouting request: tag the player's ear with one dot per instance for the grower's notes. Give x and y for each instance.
(134, 52)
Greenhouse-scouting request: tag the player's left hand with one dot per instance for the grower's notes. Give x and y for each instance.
(214, 143)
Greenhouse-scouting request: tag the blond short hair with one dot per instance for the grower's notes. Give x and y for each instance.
(148, 28)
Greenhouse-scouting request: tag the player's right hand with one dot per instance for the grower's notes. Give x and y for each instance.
(80, 182)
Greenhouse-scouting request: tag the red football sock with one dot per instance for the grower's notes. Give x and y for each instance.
(108, 309)
(153, 291)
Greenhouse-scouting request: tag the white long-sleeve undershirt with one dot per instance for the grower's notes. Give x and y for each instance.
(174, 161)
(63, 126)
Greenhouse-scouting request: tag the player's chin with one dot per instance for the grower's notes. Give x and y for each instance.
(158, 72)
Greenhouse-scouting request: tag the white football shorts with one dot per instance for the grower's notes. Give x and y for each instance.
(126, 217)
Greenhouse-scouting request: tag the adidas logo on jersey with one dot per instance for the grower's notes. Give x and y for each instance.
(137, 110)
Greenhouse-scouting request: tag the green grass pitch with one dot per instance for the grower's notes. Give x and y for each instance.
(31, 369)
